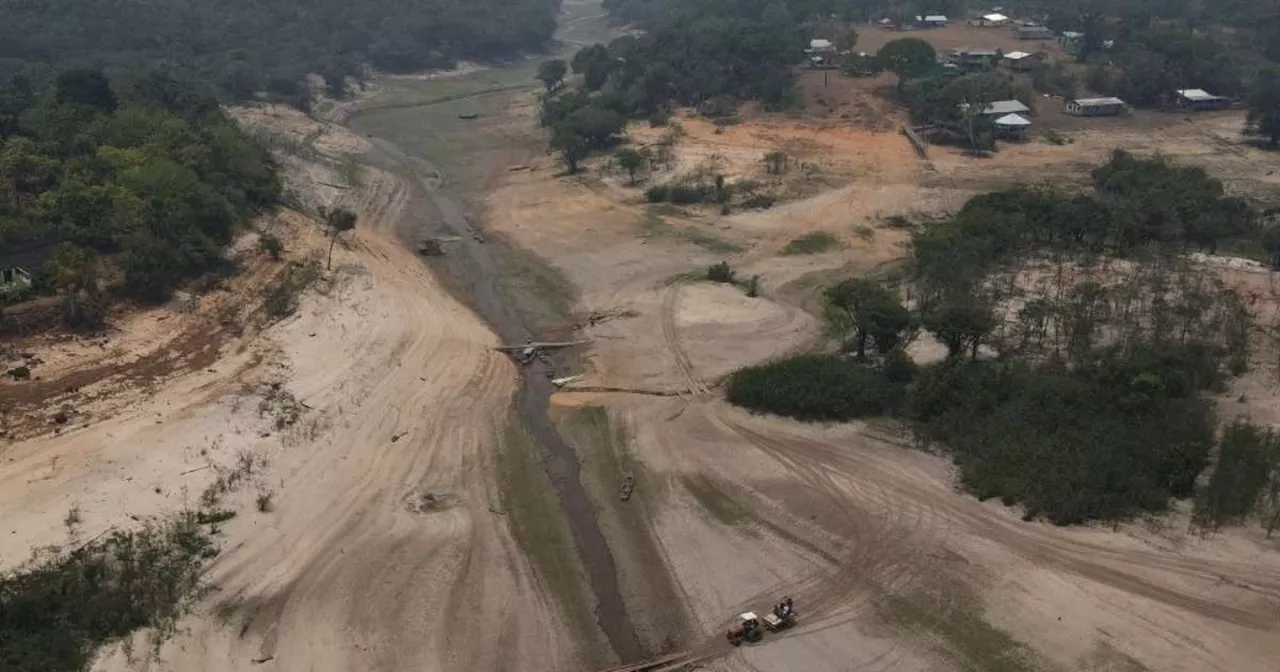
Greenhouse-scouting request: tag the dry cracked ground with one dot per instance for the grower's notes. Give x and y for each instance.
(412, 524)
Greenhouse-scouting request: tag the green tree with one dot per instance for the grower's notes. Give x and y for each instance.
(88, 88)
(572, 147)
(960, 323)
(338, 221)
(75, 274)
(875, 313)
(1246, 454)
(974, 94)
(1264, 107)
(593, 63)
(631, 160)
(908, 58)
(551, 73)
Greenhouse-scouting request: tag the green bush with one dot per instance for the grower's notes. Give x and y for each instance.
(687, 194)
(811, 243)
(656, 194)
(720, 272)
(56, 612)
(815, 387)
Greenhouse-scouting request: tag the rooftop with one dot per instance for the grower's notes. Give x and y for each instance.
(1017, 55)
(1013, 120)
(1072, 35)
(1197, 95)
(935, 18)
(1006, 107)
(1098, 102)
(1002, 107)
(995, 16)
(820, 44)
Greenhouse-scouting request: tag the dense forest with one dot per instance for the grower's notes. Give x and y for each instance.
(245, 47)
(149, 174)
(1080, 344)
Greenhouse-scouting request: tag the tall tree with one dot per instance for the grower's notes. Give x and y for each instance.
(908, 58)
(1264, 107)
(961, 323)
(631, 160)
(875, 313)
(551, 73)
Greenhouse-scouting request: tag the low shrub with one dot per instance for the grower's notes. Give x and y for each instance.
(811, 243)
(720, 272)
(687, 194)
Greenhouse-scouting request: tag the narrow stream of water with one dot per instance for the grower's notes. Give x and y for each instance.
(474, 268)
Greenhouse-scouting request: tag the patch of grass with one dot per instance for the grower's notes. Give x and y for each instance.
(539, 527)
(528, 274)
(707, 241)
(655, 224)
(959, 631)
(404, 92)
(811, 243)
(721, 507)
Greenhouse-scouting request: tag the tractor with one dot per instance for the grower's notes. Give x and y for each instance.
(747, 629)
(782, 617)
(750, 628)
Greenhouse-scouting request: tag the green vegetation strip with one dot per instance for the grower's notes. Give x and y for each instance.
(960, 632)
(540, 529)
(601, 445)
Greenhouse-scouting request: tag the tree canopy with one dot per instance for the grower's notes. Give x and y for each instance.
(908, 58)
(155, 182)
(1264, 107)
(243, 47)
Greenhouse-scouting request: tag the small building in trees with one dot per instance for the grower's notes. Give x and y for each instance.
(821, 53)
(934, 21)
(970, 58)
(1012, 127)
(1071, 41)
(13, 283)
(1020, 61)
(1033, 33)
(1096, 107)
(992, 20)
(1199, 99)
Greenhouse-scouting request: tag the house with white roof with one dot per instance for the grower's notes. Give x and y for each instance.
(1012, 126)
(1020, 60)
(1096, 107)
(1199, 99)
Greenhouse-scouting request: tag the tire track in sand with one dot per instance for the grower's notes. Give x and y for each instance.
(671, 334)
